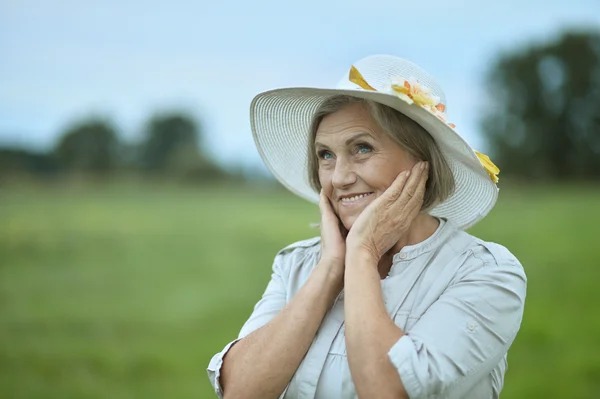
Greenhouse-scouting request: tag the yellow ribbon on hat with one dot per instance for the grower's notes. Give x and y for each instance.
(489, 166)
(356, 77)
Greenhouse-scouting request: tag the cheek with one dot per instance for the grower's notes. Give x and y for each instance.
(383, 171)
(325, 179)
(376, 174)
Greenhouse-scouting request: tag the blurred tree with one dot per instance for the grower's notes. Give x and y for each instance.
(18, 162)
(166, 136)
(173, 146)
(91, 146)
(544, 116)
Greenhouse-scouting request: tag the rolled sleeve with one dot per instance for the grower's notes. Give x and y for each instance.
(214, 369)
(464, 334)
(272, 301)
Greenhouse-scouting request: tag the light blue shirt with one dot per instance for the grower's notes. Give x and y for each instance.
(458, 299)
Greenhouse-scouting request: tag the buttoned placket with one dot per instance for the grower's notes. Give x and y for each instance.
(310, 369)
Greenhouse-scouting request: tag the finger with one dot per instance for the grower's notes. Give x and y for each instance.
(415, 176)
(395, 189)
(416, 200)
(324, 204)
(422, 183)
(408, 190)
(321, 201)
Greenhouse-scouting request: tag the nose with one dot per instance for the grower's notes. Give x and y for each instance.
(343, 175)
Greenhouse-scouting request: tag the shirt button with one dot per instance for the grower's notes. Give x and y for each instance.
(471, 326)
(402, 256)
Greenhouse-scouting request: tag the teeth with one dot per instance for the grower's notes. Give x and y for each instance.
(356, 197)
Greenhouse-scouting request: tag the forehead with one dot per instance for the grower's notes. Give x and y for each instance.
(350, 120)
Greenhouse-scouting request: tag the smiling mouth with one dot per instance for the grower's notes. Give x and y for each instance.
(354, 198)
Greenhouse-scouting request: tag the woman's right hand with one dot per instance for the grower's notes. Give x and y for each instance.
(333, 238)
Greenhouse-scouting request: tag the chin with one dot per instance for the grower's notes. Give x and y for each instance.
(349, 219)
(348, 222)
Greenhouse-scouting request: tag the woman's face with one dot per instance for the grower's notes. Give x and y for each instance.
(358, 161)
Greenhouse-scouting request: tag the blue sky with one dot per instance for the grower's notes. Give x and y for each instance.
(61, 61)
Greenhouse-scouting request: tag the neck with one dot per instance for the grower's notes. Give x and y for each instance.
(421, 229)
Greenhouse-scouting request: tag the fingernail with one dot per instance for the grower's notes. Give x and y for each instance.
(423, 165)
(406, 173)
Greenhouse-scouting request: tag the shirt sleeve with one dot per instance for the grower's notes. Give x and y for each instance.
(467, 331)
(272, 301)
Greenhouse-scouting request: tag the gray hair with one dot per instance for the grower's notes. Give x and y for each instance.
(408, 134)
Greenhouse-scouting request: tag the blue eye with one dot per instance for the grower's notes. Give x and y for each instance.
(364, 148)
(324, 154)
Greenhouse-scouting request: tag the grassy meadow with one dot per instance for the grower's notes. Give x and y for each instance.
(126, 292)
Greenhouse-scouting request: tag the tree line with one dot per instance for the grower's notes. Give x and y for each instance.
(171, 146)
(541, 121)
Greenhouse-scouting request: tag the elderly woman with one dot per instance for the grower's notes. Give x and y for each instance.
(394, 299)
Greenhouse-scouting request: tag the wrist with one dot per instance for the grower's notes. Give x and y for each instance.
(332, 278)
(361, 256)
(333, 268)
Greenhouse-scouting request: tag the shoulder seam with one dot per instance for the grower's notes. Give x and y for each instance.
(308, 243)
(495, 253)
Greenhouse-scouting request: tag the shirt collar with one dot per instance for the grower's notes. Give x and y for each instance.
(444, 230)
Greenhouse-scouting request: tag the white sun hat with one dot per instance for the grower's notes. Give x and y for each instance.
(281, 121)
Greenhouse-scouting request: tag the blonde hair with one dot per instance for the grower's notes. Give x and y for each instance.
(408, 134)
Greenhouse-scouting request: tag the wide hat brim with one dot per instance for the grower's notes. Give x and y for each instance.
(281, 119)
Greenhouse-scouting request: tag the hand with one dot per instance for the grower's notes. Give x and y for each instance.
(333, 235)
(384, 221)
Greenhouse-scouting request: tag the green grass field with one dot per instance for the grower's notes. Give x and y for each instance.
(126, 292)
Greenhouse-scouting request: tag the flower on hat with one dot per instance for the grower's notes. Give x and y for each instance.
(412, 90)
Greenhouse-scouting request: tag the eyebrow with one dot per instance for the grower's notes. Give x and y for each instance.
(352, 139)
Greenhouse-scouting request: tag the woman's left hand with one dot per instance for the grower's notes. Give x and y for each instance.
(384, 221)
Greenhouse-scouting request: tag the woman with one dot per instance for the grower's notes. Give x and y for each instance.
(394, 300)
